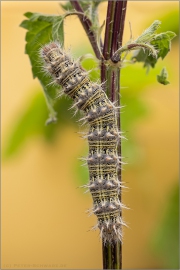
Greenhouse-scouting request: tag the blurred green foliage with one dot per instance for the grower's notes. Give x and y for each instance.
(162, 78)
(162, 43)
(32, 123)
(165, 238)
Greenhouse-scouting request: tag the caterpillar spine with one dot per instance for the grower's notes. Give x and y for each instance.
(103, 137)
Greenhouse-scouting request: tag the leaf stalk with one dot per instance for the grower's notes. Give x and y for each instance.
(87, 25)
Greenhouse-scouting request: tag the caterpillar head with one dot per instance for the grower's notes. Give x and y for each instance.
(51, 52)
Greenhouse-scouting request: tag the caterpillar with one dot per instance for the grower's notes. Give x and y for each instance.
(103, 137)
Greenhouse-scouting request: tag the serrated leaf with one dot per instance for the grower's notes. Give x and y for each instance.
(170, 34)
(41, 17)
(41, 30)
(162, 78)
(162, 43)
(149, 33)
(143, 56)
(58, 29)
(25, 24)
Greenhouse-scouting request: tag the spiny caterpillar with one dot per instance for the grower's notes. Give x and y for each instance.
(103, 136)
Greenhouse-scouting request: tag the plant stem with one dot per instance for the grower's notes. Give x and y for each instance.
(107, 41)
(87, 25)
(109, 29)
(112, 253)
(118, 28)
(110, 77)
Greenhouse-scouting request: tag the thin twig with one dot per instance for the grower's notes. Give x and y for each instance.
(87, 25)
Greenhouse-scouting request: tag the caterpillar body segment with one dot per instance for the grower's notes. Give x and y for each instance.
(103, 137)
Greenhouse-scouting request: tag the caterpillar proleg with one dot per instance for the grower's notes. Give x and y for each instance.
(103, 136)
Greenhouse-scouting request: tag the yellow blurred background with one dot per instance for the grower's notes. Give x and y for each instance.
(44, 224)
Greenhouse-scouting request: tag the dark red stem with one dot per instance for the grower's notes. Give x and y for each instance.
(107, 40)
(112, 253)
(118, 28)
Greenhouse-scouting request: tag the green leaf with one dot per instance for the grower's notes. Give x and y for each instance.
(170, 34)
(28, 14)
(58, 29)
(149, 33)
(162, 78)
(162, 43)
(41, 30)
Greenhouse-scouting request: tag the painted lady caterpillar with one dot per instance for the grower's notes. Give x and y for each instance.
(103, 136)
